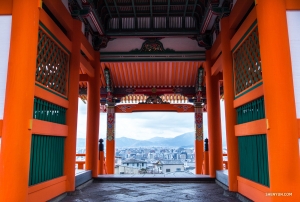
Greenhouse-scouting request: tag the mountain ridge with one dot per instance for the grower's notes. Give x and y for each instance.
(183, 140)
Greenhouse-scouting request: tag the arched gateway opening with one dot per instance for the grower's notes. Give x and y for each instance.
(157, 86)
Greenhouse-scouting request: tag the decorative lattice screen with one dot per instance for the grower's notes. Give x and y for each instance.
(247, 63)
(52, 64)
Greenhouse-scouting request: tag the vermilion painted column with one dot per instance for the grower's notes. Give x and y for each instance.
(230, 114)
(70, 142)
(282, 135)
(214, 119)
(110, 140)
(198, 138)
(93, 118)
(16, 136)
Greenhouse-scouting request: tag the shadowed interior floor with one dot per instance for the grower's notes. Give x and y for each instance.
(207, 192)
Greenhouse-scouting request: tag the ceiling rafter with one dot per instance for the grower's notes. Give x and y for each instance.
(105, 1)
(134, 12)
(119, 16)
(168, 13)
(184, 13)
(151, 16)
(194, 8)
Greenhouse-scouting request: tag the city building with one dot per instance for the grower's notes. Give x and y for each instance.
(169, 166)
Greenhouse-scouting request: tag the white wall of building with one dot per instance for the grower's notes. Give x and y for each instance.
(5, 31)
(161, 168)
(294, 38)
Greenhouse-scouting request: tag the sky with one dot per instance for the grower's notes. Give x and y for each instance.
(146, 125)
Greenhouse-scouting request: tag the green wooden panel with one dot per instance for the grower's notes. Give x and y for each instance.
(46, 158)
(253, 158)
(251, 111)
(47, 111)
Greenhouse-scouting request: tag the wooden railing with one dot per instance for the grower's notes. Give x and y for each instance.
(80, 164)
(225, 162)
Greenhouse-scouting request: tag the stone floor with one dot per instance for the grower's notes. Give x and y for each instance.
(208, 192)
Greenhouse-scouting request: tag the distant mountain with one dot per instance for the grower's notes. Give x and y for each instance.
(158, 139)
(184, 140)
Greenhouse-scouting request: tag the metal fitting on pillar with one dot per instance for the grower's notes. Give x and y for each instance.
(206, 144)
(101, 146)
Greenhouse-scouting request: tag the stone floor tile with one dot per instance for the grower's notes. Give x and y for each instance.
(134, 192)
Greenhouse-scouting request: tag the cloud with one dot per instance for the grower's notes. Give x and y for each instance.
(145, 125)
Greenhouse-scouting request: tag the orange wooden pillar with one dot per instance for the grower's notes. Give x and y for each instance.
(93, 118)
(282, 134)
(214, 119)
(110, 140)
(230, 114)
(18, 109)
(198, 138)
(70, 142)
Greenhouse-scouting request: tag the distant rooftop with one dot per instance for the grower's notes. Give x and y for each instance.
(170, 162)
(133, 161)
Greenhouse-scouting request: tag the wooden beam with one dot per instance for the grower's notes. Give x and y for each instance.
(58, 9)
(49, 96)
(6, 7)
(217, 66)
(238, 12)
(49, 128)
(87, 48)
(130, 108)
(248, 97)
(86, 66)
(54, 29)
(216, 48)
(251, 128)
(83, 77)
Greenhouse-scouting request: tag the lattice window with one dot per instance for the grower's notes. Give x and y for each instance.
(247, 63)
(52, 64)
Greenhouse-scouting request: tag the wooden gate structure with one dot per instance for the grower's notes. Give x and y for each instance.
(123, 56)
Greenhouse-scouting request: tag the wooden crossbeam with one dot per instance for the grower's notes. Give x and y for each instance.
(86, 66)
(180, 108)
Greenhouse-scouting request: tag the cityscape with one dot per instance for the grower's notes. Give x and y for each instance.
(154, 156)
